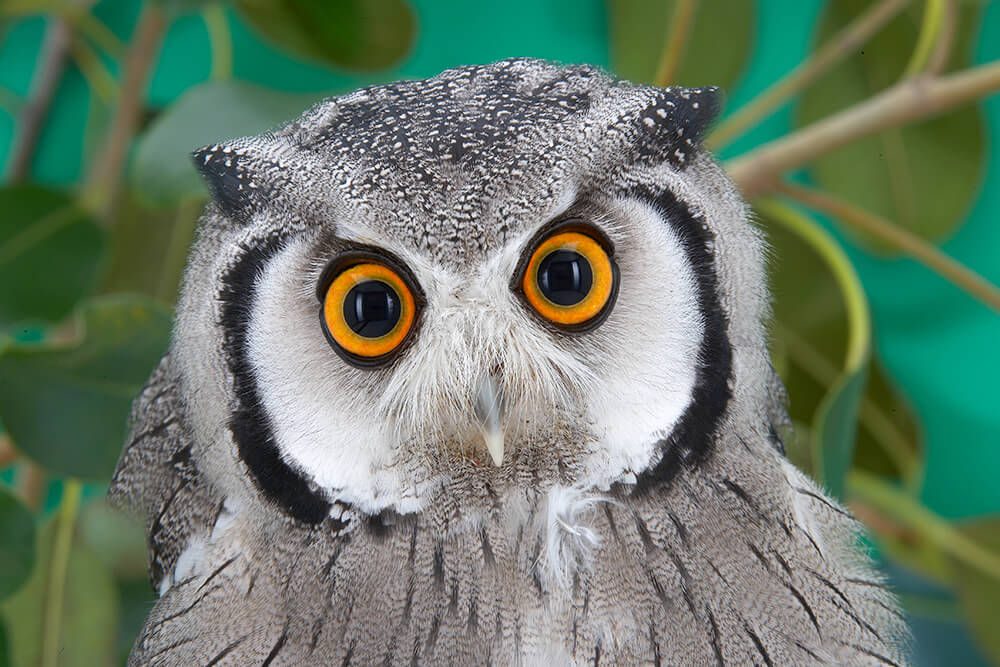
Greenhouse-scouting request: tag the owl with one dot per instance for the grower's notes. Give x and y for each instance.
(473, 371)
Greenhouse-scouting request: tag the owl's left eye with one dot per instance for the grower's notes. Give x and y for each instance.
(368, 312)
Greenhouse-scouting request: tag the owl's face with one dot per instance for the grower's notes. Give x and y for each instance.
(505, 273)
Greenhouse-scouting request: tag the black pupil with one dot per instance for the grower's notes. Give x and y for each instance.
(565, 278)
(371, 308)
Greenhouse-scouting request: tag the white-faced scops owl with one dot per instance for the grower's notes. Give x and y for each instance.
(473, 371)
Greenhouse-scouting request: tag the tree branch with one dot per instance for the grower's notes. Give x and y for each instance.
(7, 452)
(104, 186)
(31, 484)
(760, 170)
(52, 65)
(839, 47)
(925, 253)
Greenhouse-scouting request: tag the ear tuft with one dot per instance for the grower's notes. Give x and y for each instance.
(672, 125)
(227, 171)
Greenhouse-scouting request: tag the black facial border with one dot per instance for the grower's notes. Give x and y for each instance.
(693, 438)
(249, 421)
(558, 226)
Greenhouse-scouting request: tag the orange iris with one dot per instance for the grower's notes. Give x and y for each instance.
(575, 249)
(384, 294)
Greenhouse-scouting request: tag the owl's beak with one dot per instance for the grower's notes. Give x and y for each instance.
(489, 410)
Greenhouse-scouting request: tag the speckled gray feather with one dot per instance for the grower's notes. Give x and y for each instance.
(302, 511)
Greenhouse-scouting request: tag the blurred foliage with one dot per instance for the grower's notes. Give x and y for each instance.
(89, 383)
(356, 34)
(90, 273)
(42, 227)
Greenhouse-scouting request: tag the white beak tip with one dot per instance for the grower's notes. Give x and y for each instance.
(494, 445)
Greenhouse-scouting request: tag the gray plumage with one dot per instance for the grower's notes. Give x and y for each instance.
(301, 510)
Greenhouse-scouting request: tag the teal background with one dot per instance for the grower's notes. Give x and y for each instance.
(939, 344)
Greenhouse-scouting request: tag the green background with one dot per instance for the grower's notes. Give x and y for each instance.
(938, 343)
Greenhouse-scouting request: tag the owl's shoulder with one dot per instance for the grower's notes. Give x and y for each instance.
(157, 477)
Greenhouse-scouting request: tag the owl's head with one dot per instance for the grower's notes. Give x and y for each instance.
(508, 274)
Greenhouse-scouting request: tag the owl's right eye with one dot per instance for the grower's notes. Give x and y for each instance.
(368, 312)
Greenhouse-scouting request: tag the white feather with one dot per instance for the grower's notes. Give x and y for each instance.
(569, 537)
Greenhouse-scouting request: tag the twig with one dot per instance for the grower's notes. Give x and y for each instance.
(911, 515)
(7, 452)
(62, 545)
(105, 181)
(673, 50)
(840, 46)
(925, 253)
(52, 65)
(31, 481)
(921, 97)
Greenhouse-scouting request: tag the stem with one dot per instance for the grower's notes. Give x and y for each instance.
(945, 37)
(921, 97)
(925, 253)
(840, 46)
(93, 70)
(91, 27)
(52, 65)
(106, 176)
(220, 39)
(915, 517)
(673, 50)
(61, 546)
(859, 328)
(930, 28)
(176, 252)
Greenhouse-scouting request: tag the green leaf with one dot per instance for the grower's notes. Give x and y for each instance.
(356, 34)
(821, 338)
(163, 172)
(17, 543)
(149, 246)
(716, 51)
(50, 251)
(89, 610)
(66, 407)
(890, 436)
(923, 177)
(4, 646)
(978, 592)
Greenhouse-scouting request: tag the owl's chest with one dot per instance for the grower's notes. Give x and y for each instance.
(515, 589)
